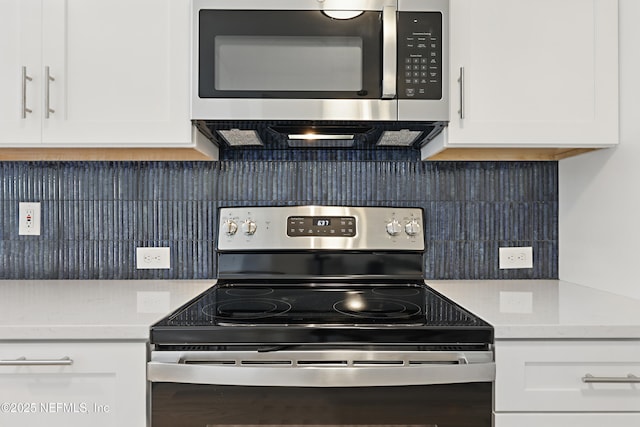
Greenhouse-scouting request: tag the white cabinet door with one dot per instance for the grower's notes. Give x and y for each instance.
(20, 42)
(121, 71)
(538, 73)
(73, 384)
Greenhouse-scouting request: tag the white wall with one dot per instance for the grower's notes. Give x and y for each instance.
(599, 217)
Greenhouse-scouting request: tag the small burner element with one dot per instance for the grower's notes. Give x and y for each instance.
(245, 309)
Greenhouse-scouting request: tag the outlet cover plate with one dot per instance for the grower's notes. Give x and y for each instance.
(29, 220)
(516, 257)
(153, 258)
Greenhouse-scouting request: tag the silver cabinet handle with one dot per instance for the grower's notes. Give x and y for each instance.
(461, 83)
(630, 378)
(23, 361)
(47, 85)
(25, 79)
(389, 52)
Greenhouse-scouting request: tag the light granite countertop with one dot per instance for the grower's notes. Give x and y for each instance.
(545, 309)
(124, 309)
(89, 309)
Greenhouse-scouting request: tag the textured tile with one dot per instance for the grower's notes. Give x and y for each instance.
(96, 213)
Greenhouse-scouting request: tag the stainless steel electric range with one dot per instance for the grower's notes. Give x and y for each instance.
(320, 316)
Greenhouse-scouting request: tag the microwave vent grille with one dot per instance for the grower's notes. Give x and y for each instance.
(241, 138)
(399, 138)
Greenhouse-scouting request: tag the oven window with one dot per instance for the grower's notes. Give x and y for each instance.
(197, 405)
(288, 63)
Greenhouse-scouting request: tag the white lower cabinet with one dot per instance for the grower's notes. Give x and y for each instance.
(73, 384)
(567, 383)
(567, 420)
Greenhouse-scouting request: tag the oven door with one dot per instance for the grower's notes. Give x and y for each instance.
(323, 389)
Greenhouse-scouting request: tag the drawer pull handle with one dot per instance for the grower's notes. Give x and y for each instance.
(632, 379)
(23, 361)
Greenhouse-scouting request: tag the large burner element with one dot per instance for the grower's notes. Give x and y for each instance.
(376, 308)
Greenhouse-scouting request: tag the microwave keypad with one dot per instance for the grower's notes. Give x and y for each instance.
(420, 55)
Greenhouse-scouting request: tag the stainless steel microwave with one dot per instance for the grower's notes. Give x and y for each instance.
(348, 60)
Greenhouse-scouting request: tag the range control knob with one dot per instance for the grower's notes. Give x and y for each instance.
(412, 227)
(229, 227)
(249, 227)
(394, 227)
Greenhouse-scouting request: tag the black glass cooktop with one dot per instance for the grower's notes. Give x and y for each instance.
(320, 313)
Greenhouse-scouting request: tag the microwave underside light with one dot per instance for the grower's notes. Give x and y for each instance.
(321, 136)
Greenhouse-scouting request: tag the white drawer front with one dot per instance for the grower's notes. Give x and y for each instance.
(73, 384)
(567, 420)
(548, 376)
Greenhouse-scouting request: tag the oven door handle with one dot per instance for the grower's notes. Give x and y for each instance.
(320, 376)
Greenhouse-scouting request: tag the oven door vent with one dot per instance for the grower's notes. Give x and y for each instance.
(330, 358)
(266, 362)
(322, 363)
(207, 362)
(378, 363)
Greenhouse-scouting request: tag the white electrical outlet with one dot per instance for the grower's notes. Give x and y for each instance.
(153, 258)
(29, 221)
(518, 257)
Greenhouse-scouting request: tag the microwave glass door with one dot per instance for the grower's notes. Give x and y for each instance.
(289, 54)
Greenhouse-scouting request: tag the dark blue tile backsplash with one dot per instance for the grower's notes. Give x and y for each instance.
(94, 214)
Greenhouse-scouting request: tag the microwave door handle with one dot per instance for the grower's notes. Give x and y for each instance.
(389, 52)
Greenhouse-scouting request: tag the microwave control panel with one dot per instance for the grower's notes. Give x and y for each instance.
(420, 55)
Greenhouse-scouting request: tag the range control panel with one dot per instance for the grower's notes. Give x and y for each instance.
(420, 55)
(320, 227)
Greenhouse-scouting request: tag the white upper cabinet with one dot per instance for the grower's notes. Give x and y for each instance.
(535, 74)
(121, 70)
(20, 30)
(118, 73)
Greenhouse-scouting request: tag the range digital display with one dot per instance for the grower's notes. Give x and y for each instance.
(325, 226)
